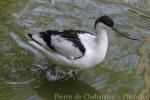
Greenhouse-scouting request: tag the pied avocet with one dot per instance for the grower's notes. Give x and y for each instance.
(74, 48)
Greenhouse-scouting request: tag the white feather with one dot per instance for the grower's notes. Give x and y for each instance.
(65, 47)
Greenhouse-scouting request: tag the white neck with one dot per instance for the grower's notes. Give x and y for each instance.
(102, 38)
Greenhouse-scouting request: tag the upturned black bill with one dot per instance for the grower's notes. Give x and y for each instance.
(125, 35)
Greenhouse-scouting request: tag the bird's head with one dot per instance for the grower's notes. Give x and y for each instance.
(105, 22)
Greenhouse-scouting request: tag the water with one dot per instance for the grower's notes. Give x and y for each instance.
(124, 71)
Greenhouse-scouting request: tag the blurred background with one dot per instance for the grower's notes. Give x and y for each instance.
(125, 70)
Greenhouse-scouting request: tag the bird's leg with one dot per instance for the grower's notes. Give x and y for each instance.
(74, 74)
(55, 72)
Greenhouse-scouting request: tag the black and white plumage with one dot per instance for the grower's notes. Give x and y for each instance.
(74, 48)
(66, 43)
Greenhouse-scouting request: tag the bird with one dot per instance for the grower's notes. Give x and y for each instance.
(74, 48)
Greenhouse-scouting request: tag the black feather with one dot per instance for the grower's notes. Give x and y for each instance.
(70, 35)
(46, 36)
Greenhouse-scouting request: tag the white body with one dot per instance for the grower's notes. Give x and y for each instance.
(96, 48)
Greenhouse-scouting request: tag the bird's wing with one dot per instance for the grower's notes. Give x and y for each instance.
(66, 43)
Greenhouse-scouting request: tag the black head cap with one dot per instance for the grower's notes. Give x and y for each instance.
(30, 35)
(105, 20)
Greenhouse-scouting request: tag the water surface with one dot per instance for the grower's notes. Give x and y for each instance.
(124, 71)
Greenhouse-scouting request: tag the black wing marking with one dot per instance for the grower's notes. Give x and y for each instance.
(46, 36)
(70, 35)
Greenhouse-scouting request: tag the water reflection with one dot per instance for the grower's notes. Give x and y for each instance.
(64, 90)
